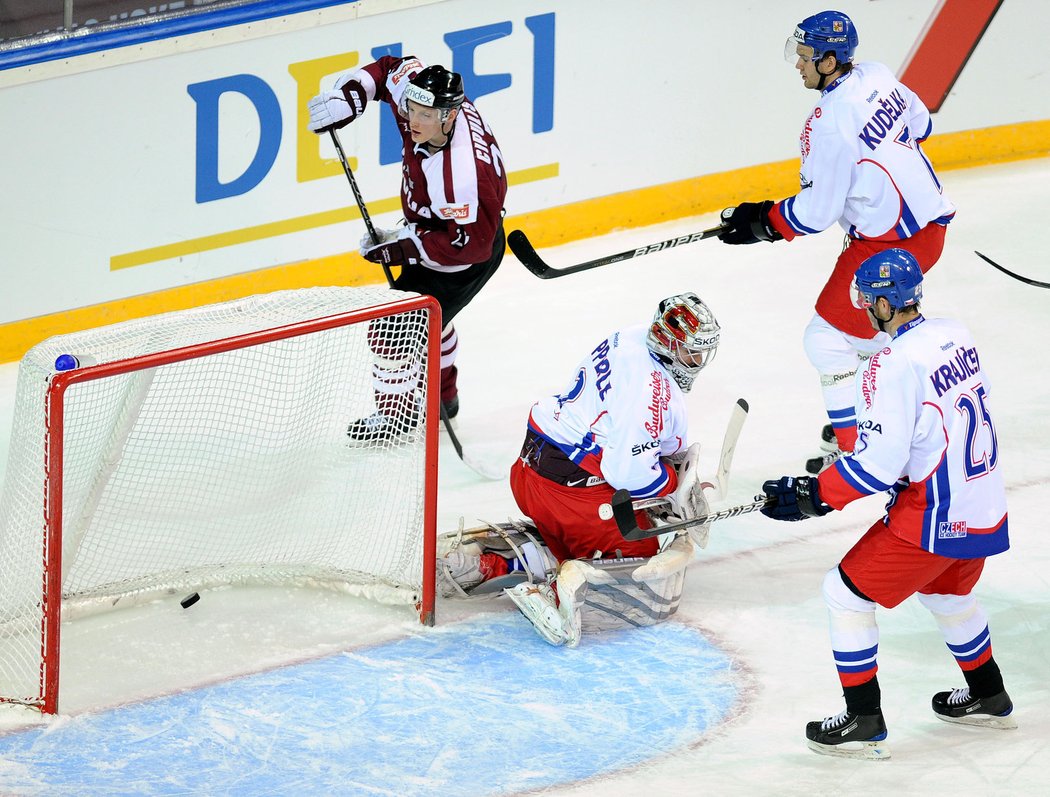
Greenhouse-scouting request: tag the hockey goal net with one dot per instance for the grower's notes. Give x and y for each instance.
(209, 447)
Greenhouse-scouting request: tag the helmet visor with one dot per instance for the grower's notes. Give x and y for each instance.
(860, 298)
(795, 49)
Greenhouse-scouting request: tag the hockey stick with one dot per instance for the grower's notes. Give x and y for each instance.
(725, 461)
(526, 253)
(623, 512)
(1009, 273)
(390, 281)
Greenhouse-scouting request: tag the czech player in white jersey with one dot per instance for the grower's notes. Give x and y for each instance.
(927, 435)
(452, 191)
(619, 423)
(862, 166)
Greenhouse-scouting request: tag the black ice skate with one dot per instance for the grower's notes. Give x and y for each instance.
(849, 736)
(829, 444)
(378, 428)
(818, 464)
(988, 712)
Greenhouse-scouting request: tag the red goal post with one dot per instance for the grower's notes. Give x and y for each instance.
(208, 447)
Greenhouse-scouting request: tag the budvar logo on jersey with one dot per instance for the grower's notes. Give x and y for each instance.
(867, 380)
(950, 529)
(455, 212)
(273, 109)
(658, 406)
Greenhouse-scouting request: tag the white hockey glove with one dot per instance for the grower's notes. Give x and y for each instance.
(385, 237)
(688, 500)
(403, 249)
(338, 107)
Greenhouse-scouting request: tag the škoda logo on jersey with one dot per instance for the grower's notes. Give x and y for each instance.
(685, 239)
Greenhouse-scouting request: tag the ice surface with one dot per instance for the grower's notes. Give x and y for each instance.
(284, 691)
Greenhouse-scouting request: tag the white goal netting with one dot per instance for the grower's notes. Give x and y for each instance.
(228, 467)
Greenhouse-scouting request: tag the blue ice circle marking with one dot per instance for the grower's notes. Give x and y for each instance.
(478, 708)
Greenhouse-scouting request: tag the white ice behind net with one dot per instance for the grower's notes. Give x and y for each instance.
(229, 468)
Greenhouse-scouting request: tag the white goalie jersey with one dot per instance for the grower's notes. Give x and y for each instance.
(621, 413)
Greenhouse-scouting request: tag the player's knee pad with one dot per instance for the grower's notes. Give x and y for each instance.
(390, 345)
(840, 598)
(828, 350)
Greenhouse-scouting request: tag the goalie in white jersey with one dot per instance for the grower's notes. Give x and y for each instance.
(619, 423)
(862, 166)
(928, 437)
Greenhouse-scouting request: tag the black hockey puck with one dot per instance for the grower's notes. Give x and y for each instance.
(189, 600)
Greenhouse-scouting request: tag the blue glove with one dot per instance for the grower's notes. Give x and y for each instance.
(748, 223)
(797, 498)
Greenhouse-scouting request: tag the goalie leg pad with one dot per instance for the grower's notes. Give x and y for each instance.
(625, 593)
(469, 558)
(539, 605)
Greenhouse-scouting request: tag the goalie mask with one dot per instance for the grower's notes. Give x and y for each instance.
(684, 335)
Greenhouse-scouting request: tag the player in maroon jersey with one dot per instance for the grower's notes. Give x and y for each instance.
(452, 193)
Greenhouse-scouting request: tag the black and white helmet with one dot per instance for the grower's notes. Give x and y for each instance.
(434, 87)
(684, 335)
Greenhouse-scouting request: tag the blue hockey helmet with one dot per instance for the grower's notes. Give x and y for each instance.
(829, 32)
(893, 274)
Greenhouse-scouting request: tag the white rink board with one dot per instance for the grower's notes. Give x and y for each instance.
(105, 152)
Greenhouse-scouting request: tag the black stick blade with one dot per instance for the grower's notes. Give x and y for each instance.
(523, 250)
(623, 514)
(1026, 280)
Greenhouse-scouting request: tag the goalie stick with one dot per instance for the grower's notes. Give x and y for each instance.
(623, 512)
(478, 469)
(526, 253)
(725, 462)
(725, 459)
(1026, 280)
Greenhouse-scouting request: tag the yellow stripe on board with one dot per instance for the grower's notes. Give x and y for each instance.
(299, 224)
(545, 228)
